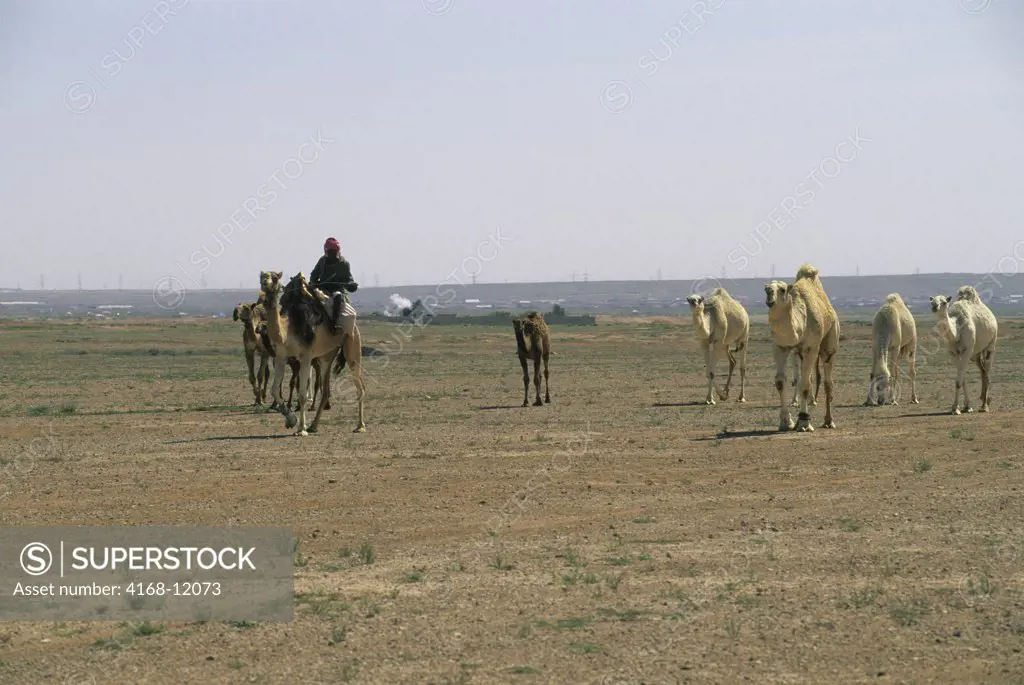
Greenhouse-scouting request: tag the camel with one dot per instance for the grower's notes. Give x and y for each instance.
(533, 341)
(298, 325)
(970, 330)
(803, 321)
(259, 329)
(894, 336)
(293, 364)
(255, 345)
(720, 321)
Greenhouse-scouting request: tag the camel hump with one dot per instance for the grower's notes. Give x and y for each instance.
(893, 298)
(807, 271)
(718, 292)
(968, 293)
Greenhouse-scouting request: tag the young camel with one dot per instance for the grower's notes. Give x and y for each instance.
(533, 341)
(720, 321)
(254, 346)
(894, 336)
(298, 326)
(970, 330)
(802, 321)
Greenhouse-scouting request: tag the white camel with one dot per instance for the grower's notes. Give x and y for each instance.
(720, 321)
(970, 330)
(893, 336)
(803, 321)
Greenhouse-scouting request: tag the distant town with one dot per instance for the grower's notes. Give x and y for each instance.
(852, 294)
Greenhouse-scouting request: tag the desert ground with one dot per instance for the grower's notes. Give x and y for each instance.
(625, 533)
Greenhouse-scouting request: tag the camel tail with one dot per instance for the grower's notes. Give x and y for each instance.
(340, 361)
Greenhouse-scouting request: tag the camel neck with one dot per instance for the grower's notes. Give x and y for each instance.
(702, 322)
(274, 327)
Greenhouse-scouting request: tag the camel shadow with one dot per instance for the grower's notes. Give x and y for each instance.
(229, 437)
(680, 404)
(501, 406)
(930, 413)
(742, 434)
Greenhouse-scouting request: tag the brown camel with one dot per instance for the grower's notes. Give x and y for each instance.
(533, 341)
(299, 326)
(255, 346)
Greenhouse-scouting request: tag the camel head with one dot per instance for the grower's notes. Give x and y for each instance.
(939, 302)
(270, 280)
(242, 312)
(968, 293)
(775, 292)
(696, 302)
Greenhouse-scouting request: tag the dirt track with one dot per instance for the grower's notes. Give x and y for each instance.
(623, 534)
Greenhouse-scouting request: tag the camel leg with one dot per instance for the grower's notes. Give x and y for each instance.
(781, 361)
(354, 352)
(963, 356)
(830, 386)
(315, 372)
(262, 376)
(742, 351)
(526, 381)
(536, 377)
(709, 370)
(275, 389)
(894, 375)
(803, 418)
(250, 361)
(327, 405)
(293, 384)
(817, 383)
(323, 380)
(266, 378)
(724, 395)
(547, 388)
(796, 379)
(304, 377)
(985, 366)
(912, 372)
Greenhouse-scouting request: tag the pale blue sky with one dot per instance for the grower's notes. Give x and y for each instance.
(495, 114)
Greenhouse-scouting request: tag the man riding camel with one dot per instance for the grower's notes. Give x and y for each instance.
(330, 276)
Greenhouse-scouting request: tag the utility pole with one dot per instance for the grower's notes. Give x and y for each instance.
(586, 276)
(573, 276)
(79, 282)
(659, 274)
(376, 280)
(858, 270)
(773, 272)
(42, 282)
(474, 279)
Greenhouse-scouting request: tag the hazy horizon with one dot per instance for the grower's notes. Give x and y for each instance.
(527, 143)
(705, 279)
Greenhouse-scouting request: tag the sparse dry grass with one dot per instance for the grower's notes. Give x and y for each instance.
(464, 539)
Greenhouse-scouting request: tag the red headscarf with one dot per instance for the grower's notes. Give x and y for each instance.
(332, 245)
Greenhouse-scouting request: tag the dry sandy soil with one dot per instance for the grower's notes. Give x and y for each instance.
(623, 534)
